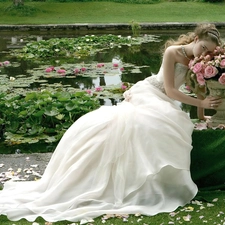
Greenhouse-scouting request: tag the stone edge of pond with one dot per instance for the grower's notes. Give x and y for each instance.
(100, 26)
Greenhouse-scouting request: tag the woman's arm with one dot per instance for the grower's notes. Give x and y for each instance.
(171, 57)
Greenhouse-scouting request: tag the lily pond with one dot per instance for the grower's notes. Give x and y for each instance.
(49, 81)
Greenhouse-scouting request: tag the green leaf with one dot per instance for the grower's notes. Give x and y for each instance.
(38, 113)
(51, 112)
(70, 106)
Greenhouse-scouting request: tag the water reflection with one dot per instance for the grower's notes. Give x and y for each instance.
(140, 57)
(147, 55)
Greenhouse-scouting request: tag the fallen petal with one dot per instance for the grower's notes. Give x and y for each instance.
(187, 218)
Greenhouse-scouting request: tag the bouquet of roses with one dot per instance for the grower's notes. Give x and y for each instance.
(209, 67)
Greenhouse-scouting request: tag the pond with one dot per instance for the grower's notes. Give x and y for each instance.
(107, 68)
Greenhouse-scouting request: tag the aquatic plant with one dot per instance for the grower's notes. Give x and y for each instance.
(77, 47)
(42, 115)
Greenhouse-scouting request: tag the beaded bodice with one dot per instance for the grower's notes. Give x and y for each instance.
(158, 80)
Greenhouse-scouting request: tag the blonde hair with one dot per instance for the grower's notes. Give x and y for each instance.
(203, 31)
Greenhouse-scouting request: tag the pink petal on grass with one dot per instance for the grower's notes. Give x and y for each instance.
(187, 218)
(200, 126)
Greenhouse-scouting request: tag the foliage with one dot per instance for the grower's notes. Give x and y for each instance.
(76, 47)
(21, 10)
(136, 27)
(43, 115)
(40, 115)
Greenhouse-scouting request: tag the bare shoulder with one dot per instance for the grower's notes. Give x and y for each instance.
(171, 50)
(172, 53)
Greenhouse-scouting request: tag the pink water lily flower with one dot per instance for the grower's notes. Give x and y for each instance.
(49, 69)
(99, 65)
(83, 69)
(76, 71)
(61, 71)
(98, 88)
(115, 64)
(6, 63)
(89, 92)
(123, 87)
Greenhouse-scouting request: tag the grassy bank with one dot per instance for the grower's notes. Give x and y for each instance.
(198, 212)
(111, 12)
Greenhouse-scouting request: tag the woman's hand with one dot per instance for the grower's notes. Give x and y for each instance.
(211, 102)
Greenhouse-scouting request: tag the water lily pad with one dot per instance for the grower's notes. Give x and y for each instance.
(51, 112)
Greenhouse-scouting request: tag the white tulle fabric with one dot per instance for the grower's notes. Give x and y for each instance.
(130, 158)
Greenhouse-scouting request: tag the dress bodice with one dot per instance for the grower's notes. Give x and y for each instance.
(180, 73)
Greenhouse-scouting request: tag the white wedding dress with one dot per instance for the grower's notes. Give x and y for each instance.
(124, 159)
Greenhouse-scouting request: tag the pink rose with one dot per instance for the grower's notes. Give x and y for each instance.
(210, 71)
(207, 58)
(222, 63)
(198, 67)
(222, 78)
(200, 79)
(191, 63)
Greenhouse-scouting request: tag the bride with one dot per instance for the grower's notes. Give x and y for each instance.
(124, 159)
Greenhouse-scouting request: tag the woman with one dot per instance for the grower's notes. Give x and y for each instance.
(124, 159)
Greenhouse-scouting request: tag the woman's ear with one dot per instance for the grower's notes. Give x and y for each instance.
(196, 39)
